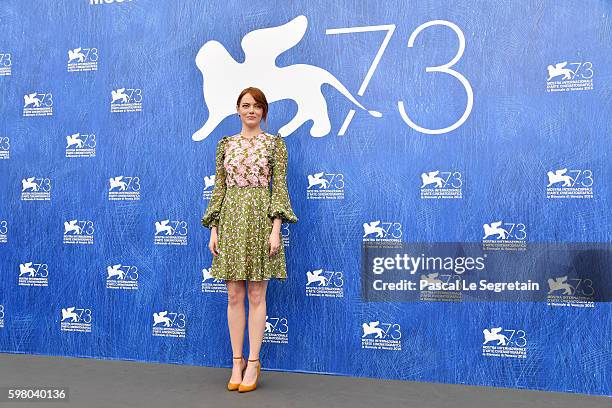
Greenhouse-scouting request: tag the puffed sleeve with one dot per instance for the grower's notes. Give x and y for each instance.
(211, 216)
(280, 204)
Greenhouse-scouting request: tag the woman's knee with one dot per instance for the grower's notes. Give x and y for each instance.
(257, 294)
(235, 293)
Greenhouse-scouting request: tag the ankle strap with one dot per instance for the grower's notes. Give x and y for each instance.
(235, 358)
(254, 360)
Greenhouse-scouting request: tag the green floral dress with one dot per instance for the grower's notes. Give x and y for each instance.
(243, 207)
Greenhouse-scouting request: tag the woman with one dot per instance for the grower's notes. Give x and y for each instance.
(245, 216)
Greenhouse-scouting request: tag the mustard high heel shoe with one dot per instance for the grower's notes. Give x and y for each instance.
(247, 388)
(233, 386)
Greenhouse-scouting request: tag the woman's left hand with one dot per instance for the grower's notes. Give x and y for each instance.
(274, 243)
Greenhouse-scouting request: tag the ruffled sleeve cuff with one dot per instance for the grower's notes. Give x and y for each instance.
(283, 211)
(210, 219)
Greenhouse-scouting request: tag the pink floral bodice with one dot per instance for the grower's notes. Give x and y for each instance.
(247, 161)
(250, 162)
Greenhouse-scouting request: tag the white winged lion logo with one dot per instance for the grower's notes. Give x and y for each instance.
(224, 78)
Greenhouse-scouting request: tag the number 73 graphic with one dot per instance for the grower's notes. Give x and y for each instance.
(445, 68)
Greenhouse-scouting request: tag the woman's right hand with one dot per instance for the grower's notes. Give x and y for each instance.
(213, 243)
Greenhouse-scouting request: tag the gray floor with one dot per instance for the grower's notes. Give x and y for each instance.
(101, 383)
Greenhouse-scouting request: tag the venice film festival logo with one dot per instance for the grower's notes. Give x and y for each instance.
(572, 76)
(170, 232)
(33, 274)
(124, 188)
(81, 145)
(564, 183)
(224, 77)
(209, 184)
(276, 330)
(6, 64)
(101, 2)
(285, 234)
(126, 100)
(325, 186)
(570, 292)
(5, 148)
(124, 277)
(500, 342)
(169, 324)
(1, 315)
(381, 336)
(323, 283)
(36, 189)
(3, 231)
(82, 59)
(441, 184)
(211, 284)
(78, 232)
(387, 233)
(76, 319)
(504, 236)
(38, 104)
(436, 279)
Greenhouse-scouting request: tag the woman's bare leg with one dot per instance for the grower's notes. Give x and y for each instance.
(236, 322)
(257, 325)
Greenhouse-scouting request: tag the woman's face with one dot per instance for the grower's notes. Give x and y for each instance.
(250, 111)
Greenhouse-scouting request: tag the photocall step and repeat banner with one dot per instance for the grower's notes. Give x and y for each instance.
(448, 163)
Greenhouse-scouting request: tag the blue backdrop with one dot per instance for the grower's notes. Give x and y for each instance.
(419, 121)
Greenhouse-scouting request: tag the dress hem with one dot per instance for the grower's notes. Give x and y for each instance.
(254, 280)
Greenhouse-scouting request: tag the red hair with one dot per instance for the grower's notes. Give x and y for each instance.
(259, 97)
